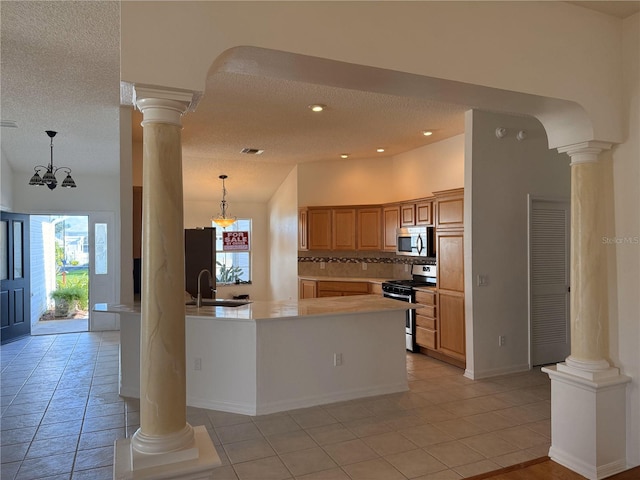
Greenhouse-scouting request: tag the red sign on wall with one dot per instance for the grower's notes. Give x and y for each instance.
(235, 241)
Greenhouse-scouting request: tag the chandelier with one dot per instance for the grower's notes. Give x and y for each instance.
(49, 176)
(222, 219)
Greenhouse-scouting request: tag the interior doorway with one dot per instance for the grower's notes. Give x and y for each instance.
(60, 247)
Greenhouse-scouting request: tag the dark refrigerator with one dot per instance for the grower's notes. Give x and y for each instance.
(199, 254)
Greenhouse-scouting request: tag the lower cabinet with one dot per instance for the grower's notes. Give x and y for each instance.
(328, 288)
(426, 320)
(307, 289)
(451, 329)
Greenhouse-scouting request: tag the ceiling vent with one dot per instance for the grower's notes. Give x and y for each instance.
(251, 151)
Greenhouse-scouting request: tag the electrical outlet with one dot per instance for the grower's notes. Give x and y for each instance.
(337, 359)
(197, 364)
(364, 265)
(502, 340)
(483, 280)
(322, 265)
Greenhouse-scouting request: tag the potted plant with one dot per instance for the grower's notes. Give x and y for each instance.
(66, 299)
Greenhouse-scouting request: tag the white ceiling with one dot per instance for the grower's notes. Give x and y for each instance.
(60, 71)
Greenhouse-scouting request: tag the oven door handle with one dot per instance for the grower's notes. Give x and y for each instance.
(404, 298)
(419, 244)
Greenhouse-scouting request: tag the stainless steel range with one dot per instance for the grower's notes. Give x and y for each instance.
(423, 275)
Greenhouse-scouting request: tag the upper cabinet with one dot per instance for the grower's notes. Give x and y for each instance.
(450, 209)
(369, 228)
(343, 229)
(390, 223)
(417, 213)
(319, 228)
(303, 229)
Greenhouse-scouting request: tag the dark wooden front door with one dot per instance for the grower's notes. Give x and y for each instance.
(15, 298)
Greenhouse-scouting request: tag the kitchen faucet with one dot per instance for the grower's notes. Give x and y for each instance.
(199, 298)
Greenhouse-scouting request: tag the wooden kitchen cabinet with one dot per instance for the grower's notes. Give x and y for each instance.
(390, 223)
(303, 229)
(344, 229)
(407, 214)
(319, 228)
(451, 323)
(307, 288)
(423, 213)
(369, 228)
(449, 209)
(426, 320)
(341, 289)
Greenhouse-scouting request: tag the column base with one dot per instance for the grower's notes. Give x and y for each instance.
(588, 421)
(192, 463)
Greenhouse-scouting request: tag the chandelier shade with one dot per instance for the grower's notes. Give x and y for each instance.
(48, 177)
(223, 220)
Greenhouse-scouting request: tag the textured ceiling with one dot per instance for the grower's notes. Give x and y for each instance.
(60, 71)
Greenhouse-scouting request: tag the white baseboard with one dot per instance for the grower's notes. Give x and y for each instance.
(592, 472)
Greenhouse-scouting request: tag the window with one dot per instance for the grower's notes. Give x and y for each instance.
(233, 266)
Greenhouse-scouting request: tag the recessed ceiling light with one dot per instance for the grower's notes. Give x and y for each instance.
(316, 107)
(252, 151)
(380, 150)
(344, 155)
(427, 133)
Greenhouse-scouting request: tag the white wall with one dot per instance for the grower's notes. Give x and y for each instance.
(6, 184)
(502, 172)
(198, 214)
(624, 267)
(410, 175)
(283, 240)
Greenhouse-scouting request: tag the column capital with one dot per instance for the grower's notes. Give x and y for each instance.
(162, 105)
(584, 152)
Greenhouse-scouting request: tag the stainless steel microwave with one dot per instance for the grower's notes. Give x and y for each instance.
(415, 241)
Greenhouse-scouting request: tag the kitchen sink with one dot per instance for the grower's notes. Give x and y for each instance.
(211, 302)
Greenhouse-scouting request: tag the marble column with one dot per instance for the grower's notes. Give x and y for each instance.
(165, 442)
(588, 395)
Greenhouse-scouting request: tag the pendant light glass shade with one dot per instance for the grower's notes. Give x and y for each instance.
(222, 220)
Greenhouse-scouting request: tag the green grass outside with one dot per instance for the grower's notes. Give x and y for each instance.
(73, 278)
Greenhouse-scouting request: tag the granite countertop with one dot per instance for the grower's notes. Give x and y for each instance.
(319, 278)
(270, 310)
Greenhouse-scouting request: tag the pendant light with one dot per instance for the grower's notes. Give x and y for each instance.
(49, 176)
(222, 220)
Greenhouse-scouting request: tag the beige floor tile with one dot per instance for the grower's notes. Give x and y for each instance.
(313, 417)
(514, 458)
(490, 421)
(278, 424)
(543, 427)
(248, 450)
(291, 441)
(345, 413)
(270, 468)
(389, 443)
(490, 444)
(433, 414)
(471, 469)
(522, 437)
(331, 474)
(454, 453)
(367, 427)
(351, 451)
(333, 433)
(225, 472)
(459, 428)
(307, 461)
(426, 435)
(442, 475)
(415, 463)
(378, 469)
(237, 433)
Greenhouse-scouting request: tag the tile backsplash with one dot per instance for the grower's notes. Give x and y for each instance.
(350, 264)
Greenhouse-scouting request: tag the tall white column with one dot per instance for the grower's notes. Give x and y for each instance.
(588, 395)
(165, 443)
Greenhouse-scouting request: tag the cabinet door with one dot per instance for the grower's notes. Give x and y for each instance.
(303, 230)
(407, 214)
(319, 225)
(369, 229)
(344, 229)
(307, 289)
(391, 222)
(423, 213)
(450, 261)
(451, 329)
(449, 209)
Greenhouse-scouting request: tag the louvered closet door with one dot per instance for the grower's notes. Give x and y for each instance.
(549, 243)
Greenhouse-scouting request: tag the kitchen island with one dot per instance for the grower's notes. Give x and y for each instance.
(271, 356)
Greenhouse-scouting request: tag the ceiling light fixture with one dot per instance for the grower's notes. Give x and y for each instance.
(344, 155)
(427, 133)
(317, 107)
(222, 220)
(49, 177)
(380, 150)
